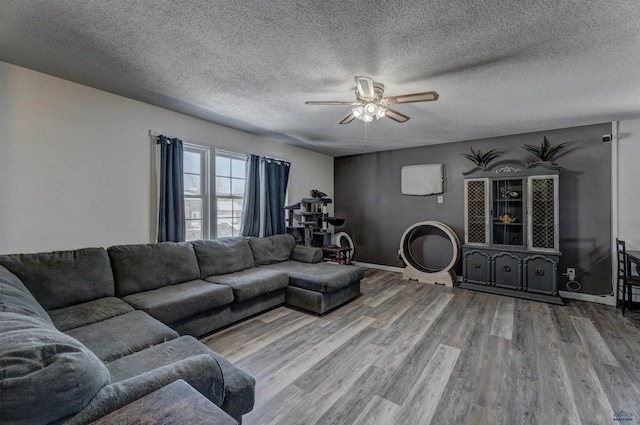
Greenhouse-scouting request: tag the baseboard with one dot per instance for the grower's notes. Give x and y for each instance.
(600, 299)
(389, 268)
(379, 267)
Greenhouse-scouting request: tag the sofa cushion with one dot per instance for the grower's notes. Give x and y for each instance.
(139, 268)
(62, 278)
(164, 354)
(223, 256)
(45, 374)
(272, 249)
(193, 370)
(16, 298)
(306, 254)
(74, 316)
(122, 335)
(238, 386)
(176, 302)
(239, 389)
(250, 283)
(320, 277)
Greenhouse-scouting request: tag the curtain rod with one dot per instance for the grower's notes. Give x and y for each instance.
(157, 135)
(153, 133)
(262, 158)
(265, 159)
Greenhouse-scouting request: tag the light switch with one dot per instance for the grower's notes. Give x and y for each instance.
(440, 199)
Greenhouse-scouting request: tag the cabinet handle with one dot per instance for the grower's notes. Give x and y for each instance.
(507, 268)
(539, 272)
(476, 265)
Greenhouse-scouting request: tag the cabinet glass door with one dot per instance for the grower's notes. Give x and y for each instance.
(476, 211)
(544, 211)
(508, 212)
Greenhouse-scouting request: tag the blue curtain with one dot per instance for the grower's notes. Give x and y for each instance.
(251, 208)
(276, 180)
(171, 224)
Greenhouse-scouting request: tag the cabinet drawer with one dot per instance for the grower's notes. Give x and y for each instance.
(475, 267)
(507, 271)
(541, 275)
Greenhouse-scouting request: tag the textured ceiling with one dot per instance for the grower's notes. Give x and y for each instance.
(500, 67)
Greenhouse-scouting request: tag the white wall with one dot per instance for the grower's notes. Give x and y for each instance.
(629, 183)
(75, 162)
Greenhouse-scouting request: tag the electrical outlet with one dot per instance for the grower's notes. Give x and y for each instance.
(440, 199)
(571, 273)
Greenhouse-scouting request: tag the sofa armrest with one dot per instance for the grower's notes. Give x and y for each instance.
(306, 254)
(195, 370)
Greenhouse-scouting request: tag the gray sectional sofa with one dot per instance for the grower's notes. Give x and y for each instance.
(85, 332)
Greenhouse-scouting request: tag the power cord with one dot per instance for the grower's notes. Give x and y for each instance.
(575, 288)
(572, 285)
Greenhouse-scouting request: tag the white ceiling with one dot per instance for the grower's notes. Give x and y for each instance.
(500, 67)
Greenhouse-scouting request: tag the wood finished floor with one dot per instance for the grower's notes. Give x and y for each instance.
(412, 353)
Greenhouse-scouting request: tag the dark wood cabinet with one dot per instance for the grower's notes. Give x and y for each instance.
(477, 267)
(507, 271)
(511, 230)
(541, 274)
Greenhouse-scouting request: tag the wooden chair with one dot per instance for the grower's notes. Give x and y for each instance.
(626, 280)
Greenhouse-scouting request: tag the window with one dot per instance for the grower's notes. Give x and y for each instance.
(211, 214)
(194, 192)
(230, 176)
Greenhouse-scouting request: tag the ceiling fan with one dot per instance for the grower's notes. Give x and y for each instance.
(370, 104)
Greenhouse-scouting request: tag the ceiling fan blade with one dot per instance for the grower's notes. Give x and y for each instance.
(365, 87)
(396, 116)
(348, 119)
(329, 102)
(428, 96)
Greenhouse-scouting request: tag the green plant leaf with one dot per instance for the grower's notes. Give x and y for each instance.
(545, 152)
(471, 158)
(482, 159)
(533, 149)
(490, 156)
(555, 149)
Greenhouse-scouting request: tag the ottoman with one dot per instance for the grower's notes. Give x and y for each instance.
(319, 287)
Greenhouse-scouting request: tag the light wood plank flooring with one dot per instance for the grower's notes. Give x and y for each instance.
(412, 353)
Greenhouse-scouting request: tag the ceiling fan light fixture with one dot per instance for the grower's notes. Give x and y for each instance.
(371, 105)
(369, 112)
(370, 108)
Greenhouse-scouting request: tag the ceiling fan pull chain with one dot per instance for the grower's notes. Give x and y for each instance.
(366, 124)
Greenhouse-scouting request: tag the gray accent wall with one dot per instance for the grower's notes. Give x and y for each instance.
(367, 194)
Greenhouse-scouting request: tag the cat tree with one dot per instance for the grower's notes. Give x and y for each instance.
(313, 220)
